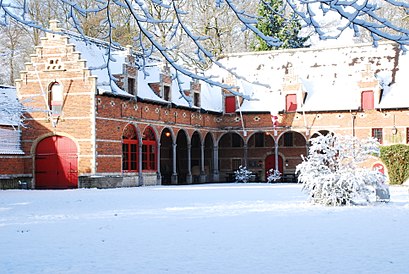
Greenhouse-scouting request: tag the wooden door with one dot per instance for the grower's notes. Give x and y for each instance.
(56, 163)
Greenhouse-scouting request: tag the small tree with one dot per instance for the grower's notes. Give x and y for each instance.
(273, 175)
(242, 174)
(331, 173)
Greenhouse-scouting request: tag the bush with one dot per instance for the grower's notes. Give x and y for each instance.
(332, 175)
(273, 175)
(396, 159)
(242, 174)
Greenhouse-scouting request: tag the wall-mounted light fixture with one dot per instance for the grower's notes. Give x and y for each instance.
(167, 134)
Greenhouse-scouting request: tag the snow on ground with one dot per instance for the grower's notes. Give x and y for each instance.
(214, 228)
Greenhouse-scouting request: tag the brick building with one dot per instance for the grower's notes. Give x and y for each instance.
(84, 130)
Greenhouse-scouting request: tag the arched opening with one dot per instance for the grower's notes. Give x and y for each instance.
(208, 156)
(260, 145)
(56, 163)
(291, 146)
(196, 154)
(166, 156)
(231, 154)
(149, 150)
(130, 149)
(181, 157)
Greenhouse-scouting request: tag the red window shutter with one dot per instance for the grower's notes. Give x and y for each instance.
(367, 100)
(291, 102)
(230, 104)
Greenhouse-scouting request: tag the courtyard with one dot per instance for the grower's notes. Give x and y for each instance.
(204, 228)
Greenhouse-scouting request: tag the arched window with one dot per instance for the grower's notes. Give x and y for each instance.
(149, 150)
(55, 98)
(129, 149)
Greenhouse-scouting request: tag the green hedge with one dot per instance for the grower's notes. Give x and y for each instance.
(396, 159)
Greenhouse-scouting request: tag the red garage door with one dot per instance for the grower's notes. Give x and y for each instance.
(56, 163)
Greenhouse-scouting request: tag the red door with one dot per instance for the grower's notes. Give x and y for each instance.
(270, 163)
(56, 163)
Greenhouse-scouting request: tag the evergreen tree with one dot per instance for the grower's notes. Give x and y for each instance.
(276, 22)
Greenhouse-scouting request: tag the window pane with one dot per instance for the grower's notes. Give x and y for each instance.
(377, 134)
(134, 157)
(124, 156)
(230, 104)
(367, 100)
(291, 102)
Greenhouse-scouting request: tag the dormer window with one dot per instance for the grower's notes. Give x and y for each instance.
(55, 98)
(229, 104)
(131, 86)
(196, 99)
(166, 93)
(367, 100)
(291, 103)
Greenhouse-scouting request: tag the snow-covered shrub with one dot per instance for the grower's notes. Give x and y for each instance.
(331, 173)
(273, 175)
(242, 174)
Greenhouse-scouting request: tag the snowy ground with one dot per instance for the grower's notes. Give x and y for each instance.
(215, 228)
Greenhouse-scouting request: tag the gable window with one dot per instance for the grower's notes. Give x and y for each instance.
(131, 86)
(230, 104)
(196, 99)
(129, 149)
(367, 100)
(55, 99)
(291, 102)
(377, 134)
(166, 93)
(149, 150)
(288, 139)
(259, 139)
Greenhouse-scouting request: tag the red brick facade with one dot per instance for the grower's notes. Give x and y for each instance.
(192, 144)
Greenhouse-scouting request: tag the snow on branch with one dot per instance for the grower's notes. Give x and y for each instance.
(333, 172)
(162, 28)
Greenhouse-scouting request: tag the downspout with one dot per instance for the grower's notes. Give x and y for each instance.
(241, 117)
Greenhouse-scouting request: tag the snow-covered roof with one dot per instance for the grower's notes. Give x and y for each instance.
(395, 92)
(10, 141)
(96, 54)
(9, 106)
(328, 77)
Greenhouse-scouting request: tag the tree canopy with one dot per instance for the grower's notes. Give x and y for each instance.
(275, 21)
